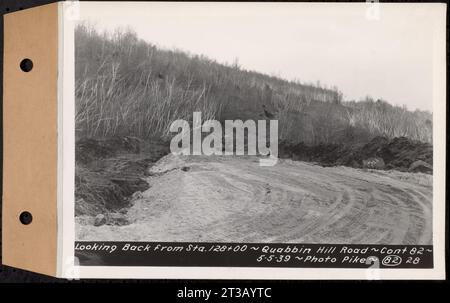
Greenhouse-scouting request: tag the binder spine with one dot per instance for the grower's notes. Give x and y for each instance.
(30, 115)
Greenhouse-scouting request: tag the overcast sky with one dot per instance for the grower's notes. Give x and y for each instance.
(389, 58)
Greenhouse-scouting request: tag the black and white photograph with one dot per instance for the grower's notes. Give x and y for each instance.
(256, 134)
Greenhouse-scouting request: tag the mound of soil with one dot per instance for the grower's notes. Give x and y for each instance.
(397, 153)
(89, 149)
(109, 171)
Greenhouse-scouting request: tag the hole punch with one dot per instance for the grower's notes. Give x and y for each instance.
(26, 65)
(25, 218)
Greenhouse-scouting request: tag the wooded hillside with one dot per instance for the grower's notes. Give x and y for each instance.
(126, 86)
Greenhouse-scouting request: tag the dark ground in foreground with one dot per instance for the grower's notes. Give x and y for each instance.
(109, 171)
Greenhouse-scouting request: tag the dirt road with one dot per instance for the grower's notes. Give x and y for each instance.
(230, 199)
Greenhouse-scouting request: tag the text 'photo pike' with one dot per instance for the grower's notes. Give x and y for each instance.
(272, 136)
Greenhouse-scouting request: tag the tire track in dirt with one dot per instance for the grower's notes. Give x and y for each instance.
(225, 199)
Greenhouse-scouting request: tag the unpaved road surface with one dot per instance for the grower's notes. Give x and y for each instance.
(231, 199)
